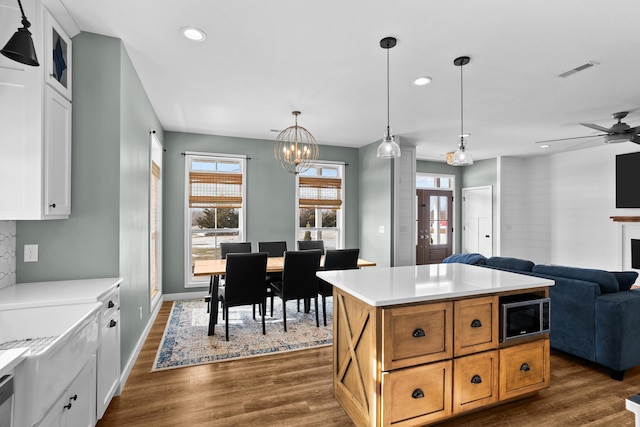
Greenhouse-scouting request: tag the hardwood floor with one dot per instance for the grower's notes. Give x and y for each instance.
(295, 389)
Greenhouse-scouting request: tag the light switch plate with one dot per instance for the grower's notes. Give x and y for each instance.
(381, 229)
(30, 253)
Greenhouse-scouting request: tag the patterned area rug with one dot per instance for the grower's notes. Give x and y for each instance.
(185, 341)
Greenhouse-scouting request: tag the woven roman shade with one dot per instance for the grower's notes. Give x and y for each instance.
(323, 193)
(215, 190)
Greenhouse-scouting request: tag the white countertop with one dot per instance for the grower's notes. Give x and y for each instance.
(383, 286)
(9, 359)
(24, 295)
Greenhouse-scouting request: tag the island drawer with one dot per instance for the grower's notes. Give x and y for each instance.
(476, 325)
(416, 334)
(416, 396)
(524, 368)
(475, 381)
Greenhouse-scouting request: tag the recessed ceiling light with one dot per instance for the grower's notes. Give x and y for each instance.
(422, 81)
(544, 146)
(193, 34)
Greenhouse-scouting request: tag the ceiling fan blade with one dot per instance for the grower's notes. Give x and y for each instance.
(567, 139)
(596, 127)
(634, 130)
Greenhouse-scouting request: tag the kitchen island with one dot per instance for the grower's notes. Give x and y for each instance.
(419, 344)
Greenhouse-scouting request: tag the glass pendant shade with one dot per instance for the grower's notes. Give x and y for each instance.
(461, 157)
(20, 46)
(388, 148)
(295, 148)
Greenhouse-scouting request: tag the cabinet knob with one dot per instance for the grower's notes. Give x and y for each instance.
(417, 393)
(52, 205)
(476, 323)
(476, 379)
(418, 333)
(113, 323)
(111, 304)
(525, 367)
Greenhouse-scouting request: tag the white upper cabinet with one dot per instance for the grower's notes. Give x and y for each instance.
(35, 119)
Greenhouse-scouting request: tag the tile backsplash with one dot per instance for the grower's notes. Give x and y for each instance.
(7, 253)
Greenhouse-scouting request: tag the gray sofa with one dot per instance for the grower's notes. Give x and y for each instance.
(595, 314)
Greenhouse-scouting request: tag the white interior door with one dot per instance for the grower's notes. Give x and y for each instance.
(477, 220)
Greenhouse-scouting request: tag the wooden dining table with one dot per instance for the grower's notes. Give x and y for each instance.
(218, 267)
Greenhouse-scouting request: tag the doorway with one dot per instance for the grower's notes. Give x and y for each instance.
(477, 220)
(435, 225)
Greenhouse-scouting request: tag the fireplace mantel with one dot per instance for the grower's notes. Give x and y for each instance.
(625, 218)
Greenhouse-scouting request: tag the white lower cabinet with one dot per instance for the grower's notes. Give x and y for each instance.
(77, 405)
(109, 351)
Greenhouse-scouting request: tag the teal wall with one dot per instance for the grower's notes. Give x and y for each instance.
(376, 203)
(423, 166)
(270, 196)
(86, 244)
(107, 232)
(481, 173)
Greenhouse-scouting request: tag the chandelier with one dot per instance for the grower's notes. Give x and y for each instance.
(295, 148)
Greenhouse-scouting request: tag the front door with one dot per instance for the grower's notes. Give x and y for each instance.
(435, 226)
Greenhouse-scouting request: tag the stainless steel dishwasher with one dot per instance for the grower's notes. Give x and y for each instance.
(6, 401)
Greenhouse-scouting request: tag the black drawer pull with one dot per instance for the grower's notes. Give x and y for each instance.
(74, 397)
(113, 323)
(418, 333)
(111, 304)
(67, 406)
(476, 379)
(525, 367)
(417, 393)
(476, 323)
(52, 205)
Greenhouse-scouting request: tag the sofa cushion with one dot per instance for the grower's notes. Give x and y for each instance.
(607, 281)
(471, 258)
(626, 279)
(510, 263)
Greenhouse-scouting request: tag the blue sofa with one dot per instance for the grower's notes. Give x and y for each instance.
(595, 314)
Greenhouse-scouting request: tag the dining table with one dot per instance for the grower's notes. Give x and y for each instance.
(214, 268)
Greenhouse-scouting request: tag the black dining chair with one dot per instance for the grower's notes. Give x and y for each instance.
(274, 249)
(227, 248)
(305, 245)
(299, 280)
(244, 285)
(336, 259)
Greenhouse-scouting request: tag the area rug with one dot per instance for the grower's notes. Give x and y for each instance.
(185, 341)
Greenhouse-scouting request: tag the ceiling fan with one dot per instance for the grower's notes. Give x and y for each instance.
(619, 132)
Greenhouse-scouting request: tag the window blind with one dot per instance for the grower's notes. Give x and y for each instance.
(215, 190)
(323, 193)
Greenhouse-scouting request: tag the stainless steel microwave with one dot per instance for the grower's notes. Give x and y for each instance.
(524, 316)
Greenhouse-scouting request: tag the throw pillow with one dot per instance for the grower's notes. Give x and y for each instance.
(626, 279)
(471, 258)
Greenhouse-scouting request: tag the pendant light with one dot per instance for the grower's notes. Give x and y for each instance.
(461, 157)
(295, 148)
(20, 46)
(388, 148)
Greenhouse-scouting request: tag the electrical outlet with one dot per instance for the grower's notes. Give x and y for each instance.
(30, 253)
(140, 313)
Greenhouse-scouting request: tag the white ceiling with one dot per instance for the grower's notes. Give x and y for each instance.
(263, 59)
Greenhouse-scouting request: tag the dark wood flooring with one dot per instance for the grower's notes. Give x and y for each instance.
(295, 389)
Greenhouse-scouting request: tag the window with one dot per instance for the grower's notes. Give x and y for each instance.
(320, 206)
(155, 223)
(216, 206)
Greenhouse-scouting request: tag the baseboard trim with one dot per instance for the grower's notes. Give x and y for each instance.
(185, 295)
(136, 351)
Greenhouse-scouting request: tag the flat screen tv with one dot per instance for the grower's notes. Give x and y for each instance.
(628, 180)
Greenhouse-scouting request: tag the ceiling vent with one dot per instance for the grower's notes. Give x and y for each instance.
(577, 69)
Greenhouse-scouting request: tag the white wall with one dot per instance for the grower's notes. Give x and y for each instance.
(567, 199)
